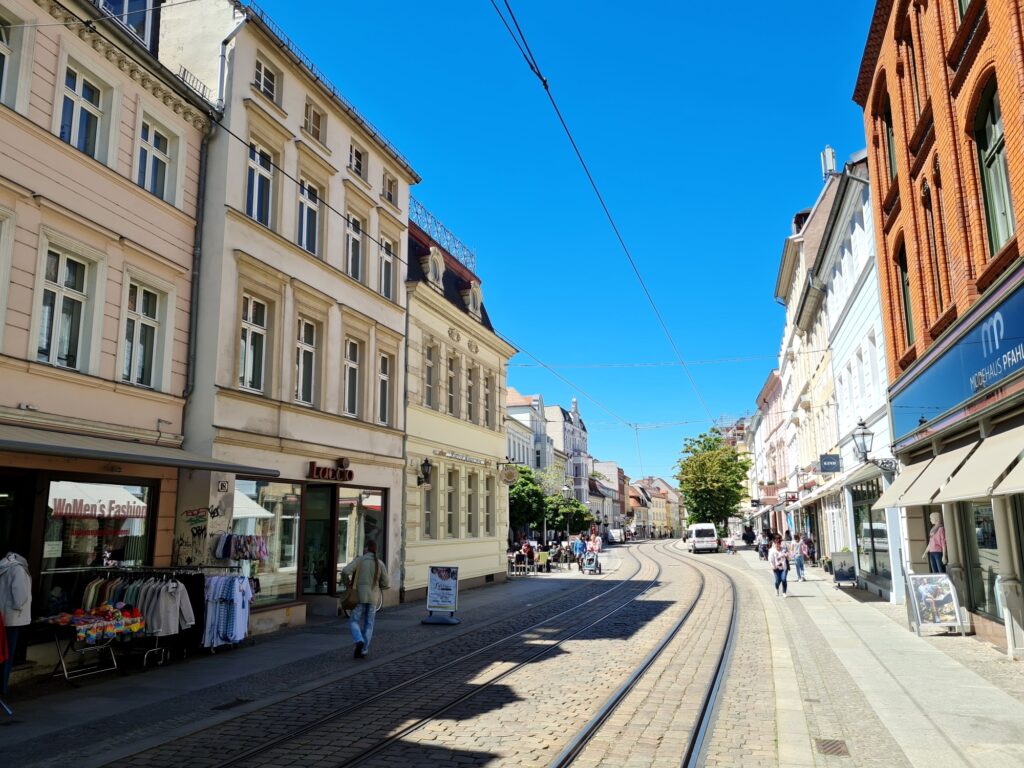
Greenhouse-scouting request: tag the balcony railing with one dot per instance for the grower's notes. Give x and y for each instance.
(425, 220)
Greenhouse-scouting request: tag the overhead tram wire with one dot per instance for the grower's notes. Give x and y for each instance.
(531, 60)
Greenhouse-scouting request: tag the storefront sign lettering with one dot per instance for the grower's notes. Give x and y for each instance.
(987, 353)
(340, 473)
(461, 457)
(82, 508)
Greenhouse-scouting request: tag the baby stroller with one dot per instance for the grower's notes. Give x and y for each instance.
(591, 564)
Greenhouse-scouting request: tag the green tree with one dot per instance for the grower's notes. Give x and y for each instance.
(563, 511)
(712, 477)
(525, 502)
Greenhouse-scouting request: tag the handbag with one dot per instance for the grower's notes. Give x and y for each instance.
(351, 598)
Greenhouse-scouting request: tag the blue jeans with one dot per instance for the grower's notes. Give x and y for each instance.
(799, 566)
(360, 622)
(935, 564)
(780, 578)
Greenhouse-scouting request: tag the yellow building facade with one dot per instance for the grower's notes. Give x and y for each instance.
(456, 512)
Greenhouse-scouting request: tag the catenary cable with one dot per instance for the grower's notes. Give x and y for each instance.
(524, 48)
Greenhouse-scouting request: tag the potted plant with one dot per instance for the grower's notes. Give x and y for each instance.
(826, 563)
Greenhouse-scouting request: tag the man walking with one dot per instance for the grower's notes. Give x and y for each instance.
(368, 576)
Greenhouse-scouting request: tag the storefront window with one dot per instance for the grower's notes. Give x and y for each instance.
(872, 533)
(316, 548)
(90, 526)
(270, 510)
(982, 559)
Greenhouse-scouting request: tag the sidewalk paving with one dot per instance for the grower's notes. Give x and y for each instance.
(935, 709)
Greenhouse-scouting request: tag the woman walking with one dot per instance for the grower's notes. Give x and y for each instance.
(778, 559)
(800, 556)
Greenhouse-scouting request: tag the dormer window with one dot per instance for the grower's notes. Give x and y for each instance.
(473, 299)
(433, 267)
(135, 15)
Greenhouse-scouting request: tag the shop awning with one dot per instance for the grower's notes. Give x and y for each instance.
(935, 477)
(891, 495)
(49, 443)
(981, 471)
(247, 508)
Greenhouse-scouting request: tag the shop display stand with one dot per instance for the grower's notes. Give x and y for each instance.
(70, 674)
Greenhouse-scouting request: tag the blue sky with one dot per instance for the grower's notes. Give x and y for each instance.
(703, 130)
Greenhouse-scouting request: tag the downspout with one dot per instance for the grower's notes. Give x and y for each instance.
(405, 460)
(221, 84)
(197, 258)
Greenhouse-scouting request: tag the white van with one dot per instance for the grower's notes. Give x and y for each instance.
(702, 537)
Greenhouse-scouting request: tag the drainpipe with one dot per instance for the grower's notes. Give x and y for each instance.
(197, 257)
(403, 528)
(221, 84)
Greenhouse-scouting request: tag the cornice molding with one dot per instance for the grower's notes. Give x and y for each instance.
(142, 75)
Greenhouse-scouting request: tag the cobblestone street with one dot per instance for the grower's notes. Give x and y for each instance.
(791, 693)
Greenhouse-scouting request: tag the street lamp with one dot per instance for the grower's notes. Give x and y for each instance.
(863, 439)
(566, 494)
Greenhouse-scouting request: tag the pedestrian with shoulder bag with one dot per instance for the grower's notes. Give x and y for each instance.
(778, 559)
(365, 577)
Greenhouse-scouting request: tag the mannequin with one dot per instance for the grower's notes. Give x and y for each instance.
(936, 551)
(15, 604)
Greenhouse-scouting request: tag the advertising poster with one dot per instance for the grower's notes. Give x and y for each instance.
(935, 601)
(843, 567)
(442, 588)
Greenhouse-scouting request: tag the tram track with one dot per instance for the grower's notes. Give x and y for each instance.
(692, 754)
(632, 587)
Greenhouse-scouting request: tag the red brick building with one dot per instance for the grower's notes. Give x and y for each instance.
(941, 85)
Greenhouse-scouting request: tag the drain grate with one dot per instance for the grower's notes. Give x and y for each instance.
(232, 704)
(835, 747)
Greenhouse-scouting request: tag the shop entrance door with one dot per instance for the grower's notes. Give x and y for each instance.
(317, 554)
(17, 513)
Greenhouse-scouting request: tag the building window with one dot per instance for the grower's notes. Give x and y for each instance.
(305, 362)
(389, 188)
(141, 334)
(488, 402)
(257, 188)
(354, 256)
(489, 506)
(6, 57)
(453, 385)
(452, 519)
(384, 390)
(309, 216)
(64, 306)
(252, 353)
(429, 377)
(428, 512)
(938, 264)
(134, 15)
(266, 80)
(81, 113)
(387, 268)
(471, 376)
(890, 138)
(995, 182)
(903, 275)
(154, 160)
(351, 377)
(313, 122)
(471, 504)
(915, 83)
(357, 161)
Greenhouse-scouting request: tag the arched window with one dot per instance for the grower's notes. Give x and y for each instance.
(995, 179)
(890, 138)
(903, 275)
(940, 277)
(916, 89)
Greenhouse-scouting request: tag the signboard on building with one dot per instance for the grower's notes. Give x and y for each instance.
(830, 463)
(990, 352)
(934, 600)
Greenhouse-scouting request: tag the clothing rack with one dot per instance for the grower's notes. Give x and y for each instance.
(189, 569)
